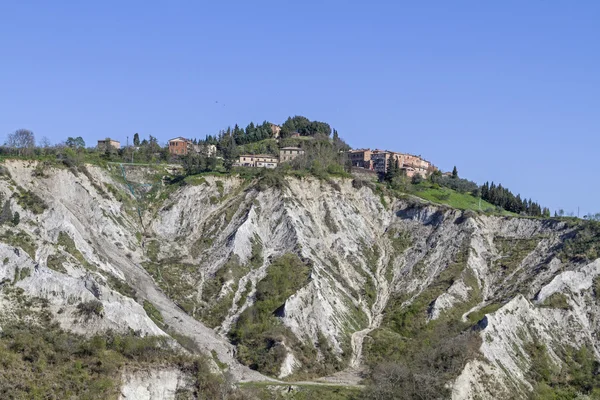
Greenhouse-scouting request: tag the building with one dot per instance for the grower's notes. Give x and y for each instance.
(361, 158)
(295, 135)
(379, 160)
(258, 161)
(289, 153)
(108, 141)
(180, 146)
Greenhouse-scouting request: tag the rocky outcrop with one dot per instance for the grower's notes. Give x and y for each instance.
(197, 251)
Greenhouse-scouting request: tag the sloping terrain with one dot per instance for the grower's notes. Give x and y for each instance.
(302, 278)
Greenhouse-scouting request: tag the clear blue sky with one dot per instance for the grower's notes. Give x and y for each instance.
(508, 91)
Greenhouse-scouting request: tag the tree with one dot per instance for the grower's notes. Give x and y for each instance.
(75, 143)
(136, 139)
(455, 172)
(44, 142)
(22, 139)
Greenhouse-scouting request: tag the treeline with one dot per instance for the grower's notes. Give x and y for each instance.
(257, 132)
(252, 133)
(502, 197)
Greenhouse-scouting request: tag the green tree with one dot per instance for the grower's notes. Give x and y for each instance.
(455, 172)
(136, 139)
(75, 143)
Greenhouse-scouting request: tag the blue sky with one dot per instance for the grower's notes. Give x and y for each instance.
(507, 91)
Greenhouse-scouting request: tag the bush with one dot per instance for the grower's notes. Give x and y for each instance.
(90, 309)
(31, 201)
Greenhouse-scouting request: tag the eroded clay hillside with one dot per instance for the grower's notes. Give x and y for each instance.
(301, 278)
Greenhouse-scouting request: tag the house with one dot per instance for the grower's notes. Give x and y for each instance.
(295, 135)
(108, 142)
(180, 146)
(289, 153)
(258, 161)
(361, 158)
(379, 160)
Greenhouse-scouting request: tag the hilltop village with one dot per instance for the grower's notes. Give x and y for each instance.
(376, 161)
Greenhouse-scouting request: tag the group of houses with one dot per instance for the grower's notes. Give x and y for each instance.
(380, 160)
(377, 161)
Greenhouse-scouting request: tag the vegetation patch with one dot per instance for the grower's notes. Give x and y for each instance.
(258, 332)
(120, 286)
(55, 262)
(272, 391)
(557, 300)
(478, 315)
(39, 360)
(584, 243)
(215, 308)
(68, 245)
(512, 253)
(90, 309)
(178, 280)
(21, 273)
(577, 376)
(443, 195)
(20, 239)
(153, 313)
(413, 358)
(401, 240)
(31, 201)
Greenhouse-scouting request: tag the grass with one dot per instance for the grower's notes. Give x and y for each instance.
(556, 300)
(462, 201)
(478, 315)
(153, 313)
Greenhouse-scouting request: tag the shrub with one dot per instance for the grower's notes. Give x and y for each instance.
(153, 313)
(557, 300)
(16, 219)
(90, 309)
(31, 201)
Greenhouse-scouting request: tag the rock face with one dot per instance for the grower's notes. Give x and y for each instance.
(162, 384)
(196, 252)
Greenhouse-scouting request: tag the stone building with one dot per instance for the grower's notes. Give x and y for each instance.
(108, 142)
(289, 153)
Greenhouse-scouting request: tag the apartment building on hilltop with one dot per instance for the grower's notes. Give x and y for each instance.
(380, 160)
(180, 146)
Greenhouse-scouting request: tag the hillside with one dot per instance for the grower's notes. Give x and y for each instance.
(299, 279)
